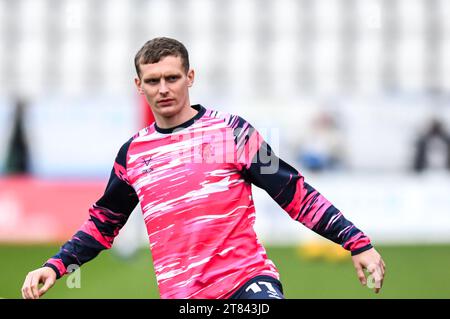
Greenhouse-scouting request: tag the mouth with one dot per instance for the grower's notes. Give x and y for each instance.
(166, 102)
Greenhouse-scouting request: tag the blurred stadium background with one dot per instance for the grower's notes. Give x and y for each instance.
(354, 93)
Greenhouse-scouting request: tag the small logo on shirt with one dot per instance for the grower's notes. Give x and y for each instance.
(147, 163)
(206, 151)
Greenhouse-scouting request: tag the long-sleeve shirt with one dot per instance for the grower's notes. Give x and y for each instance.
(194, 186)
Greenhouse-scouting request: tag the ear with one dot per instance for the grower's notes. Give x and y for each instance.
(190, 77)
(137, 82)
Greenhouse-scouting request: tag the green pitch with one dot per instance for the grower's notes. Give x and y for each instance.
(412, 272)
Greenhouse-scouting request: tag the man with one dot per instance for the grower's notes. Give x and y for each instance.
(192, 172)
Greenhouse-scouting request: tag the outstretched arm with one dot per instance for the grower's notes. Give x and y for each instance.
(106, 217)
(261, 166)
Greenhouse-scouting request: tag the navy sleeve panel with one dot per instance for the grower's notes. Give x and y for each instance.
(106, 217)
(299, 199)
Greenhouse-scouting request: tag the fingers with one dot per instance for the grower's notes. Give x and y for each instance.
(25, 286)
(377, 274)
(371, 261)
(382, 271)
(47, 285)
(383, 266)
(361, 275)
(378, 281)
(30, 288)
(27, 292)
(35, 286)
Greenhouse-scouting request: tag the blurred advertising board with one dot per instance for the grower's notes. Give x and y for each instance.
(39, 210)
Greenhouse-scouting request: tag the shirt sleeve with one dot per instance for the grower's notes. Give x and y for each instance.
(106, 217)
(261, 167)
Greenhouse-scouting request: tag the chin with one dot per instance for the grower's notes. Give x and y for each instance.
(168, 111)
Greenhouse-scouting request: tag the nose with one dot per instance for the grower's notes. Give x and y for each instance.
(163, 89)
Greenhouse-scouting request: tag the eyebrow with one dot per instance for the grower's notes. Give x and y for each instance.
(158, 76)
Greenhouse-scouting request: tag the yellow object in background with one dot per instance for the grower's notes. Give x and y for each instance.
(321, 250)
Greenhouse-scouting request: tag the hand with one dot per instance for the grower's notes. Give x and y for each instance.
(44, 275)
(371, 261)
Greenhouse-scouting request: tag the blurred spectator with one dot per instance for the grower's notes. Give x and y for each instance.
(433, 148)
(322, 149)
(17, 161)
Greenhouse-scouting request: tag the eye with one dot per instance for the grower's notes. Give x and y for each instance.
(172, 78)
(152, 81)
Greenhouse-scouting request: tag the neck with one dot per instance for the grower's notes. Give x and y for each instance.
(172, 121)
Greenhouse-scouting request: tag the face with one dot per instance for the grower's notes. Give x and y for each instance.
(165, 85)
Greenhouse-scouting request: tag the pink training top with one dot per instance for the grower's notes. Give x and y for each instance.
(194, 186)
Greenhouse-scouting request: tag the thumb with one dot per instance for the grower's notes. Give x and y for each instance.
(47, 285)
(361, 275)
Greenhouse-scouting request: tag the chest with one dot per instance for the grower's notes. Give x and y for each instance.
(181, 163)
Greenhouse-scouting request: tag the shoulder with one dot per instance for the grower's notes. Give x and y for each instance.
(233, 121)
(132, 144)
(125, 146)
(123, 151)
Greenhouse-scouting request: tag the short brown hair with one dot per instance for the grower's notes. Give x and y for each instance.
(156, 49)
